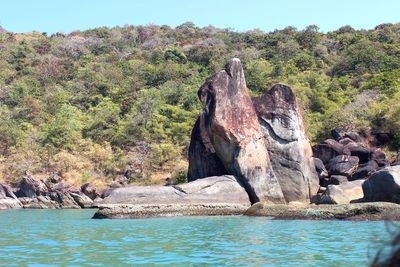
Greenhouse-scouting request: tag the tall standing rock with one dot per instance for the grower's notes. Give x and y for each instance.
(232, 127)
(288, 146)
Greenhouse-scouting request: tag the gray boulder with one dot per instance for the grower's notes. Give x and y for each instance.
(343, 193)
(383, 185)
(343, 165)
(217, 195)
(215, 189)
(10, 203)
(288, 146)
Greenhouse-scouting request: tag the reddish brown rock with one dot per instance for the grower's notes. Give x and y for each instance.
(289, 148)
(231, 123)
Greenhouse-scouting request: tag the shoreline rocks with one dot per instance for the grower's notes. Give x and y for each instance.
(353, 211)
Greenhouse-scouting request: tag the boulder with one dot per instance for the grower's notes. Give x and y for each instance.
(364, 170)
(346, 141)
(343, 193)
(360, 151)
(30, 187)
(89, 190)
(10, 203)
(203, 160)
(231, 124)
(215, 189)
(289, 148)
(383, 185)
(217, 195)
(320, 168)
(82, 200)
(380, 157)
(354, 136)
(327, 150)
(337, 134)
(8, 191)
(338, 179)
(343, 165)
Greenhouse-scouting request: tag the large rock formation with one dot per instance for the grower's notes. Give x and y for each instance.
(229, 124)
(260, 141)
(217, 195)
(288, 146)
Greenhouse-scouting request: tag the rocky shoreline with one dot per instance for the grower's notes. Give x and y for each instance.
(247, 156)
(355, 211)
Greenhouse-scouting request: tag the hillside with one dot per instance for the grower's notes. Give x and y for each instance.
(103, 104)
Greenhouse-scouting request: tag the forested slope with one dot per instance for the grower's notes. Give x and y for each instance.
(109, 102)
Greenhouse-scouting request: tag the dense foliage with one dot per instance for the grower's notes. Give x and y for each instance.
(100, 103)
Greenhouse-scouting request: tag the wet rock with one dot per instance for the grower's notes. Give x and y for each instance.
(343, 193)
(289, 149)
(383, 185)
(235, 134)
(343, 165)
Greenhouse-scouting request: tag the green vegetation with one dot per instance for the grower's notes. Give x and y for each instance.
(101, 103)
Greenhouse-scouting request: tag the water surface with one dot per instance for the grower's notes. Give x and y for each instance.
(71, 238)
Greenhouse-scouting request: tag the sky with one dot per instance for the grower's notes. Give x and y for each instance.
(241, 15)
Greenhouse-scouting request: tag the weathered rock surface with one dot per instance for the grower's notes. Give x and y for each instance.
(343, 193)
(203, 160)
(231, 123)
(320, 168)
(215, 189)
(217, 195)
(9, 203)
(343, 165)
(327, 150)
(383, 185)
(90, 191)
(30, 187)
(353, 211)
(289, 149)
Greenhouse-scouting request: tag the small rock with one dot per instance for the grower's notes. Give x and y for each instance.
(89, 190)
(320, 168)
(364, 170)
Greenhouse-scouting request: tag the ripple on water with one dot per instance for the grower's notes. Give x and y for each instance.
(63, 237)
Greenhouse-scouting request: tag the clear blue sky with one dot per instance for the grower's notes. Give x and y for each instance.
(68, 15)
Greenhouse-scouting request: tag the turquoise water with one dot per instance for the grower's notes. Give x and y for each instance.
(71, 238)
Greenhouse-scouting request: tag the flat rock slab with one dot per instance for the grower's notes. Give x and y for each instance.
(210, 190)
(131, 211)
(353, 211)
